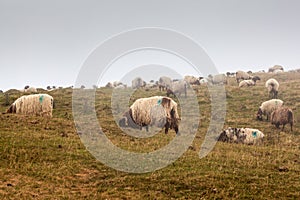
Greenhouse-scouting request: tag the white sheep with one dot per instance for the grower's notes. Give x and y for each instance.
(244, 83)
(138, 83)
(192, 80)
(241, 75)
(177, 88)
(157, 110)
(241, 135)
(218, 79)
(268, 107)
(34, 104)
(164, 83)
(272, 85)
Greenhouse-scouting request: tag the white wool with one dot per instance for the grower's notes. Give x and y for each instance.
(269, 106)
(241, 75)
(164, 82)
(30, 89)
(141, 109)
(246, 83)
(252, 136)
(269, 83)
(35, 104)
(192, 80)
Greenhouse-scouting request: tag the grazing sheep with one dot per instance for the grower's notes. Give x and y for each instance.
(150, 85)
(275, 67)
(192, 80)
(157, 110)
(268, 107)
(250, 82)
(164, 83)
(121, 86)
(28, 89)
(109, 85)
(218, 79)
(241, 135)
(117, 83)
(282, 116)
(34, 104)
(272, 85)
(177, 87)
(241, 75)
(138, 83)
(246, 83)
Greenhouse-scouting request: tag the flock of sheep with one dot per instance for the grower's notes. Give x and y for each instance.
(161, 111)
(141, 113)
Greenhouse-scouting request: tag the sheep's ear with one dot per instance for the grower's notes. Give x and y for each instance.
(165, 102)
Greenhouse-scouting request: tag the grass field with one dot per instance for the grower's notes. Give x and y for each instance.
(40, 160)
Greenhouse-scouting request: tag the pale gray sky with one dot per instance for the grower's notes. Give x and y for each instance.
(46, 42)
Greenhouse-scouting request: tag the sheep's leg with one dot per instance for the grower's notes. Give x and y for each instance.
(167, 128)
(147, 128)
(282, 127)
(291, 126)
(277, 125)
(176, 130)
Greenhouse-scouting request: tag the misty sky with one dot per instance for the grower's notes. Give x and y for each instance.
(46, 42)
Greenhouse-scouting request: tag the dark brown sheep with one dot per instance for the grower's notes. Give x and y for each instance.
(282, 116)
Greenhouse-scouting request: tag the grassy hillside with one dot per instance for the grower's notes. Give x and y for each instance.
(46, 160)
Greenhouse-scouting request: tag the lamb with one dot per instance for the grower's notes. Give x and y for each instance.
(241, 75)
(272, 85)
(35, 104)
(282, 116)
(177, 87)
(268, 107)
(164, 83)
(157, 110)
(248, 136)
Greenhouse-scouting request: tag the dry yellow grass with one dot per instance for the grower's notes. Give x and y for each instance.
(48, 161)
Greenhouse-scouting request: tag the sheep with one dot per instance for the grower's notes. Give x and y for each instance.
(34, 104)
(109, 85)
(282, 116)
(138, 83)
(275, 67)
(272, 85)
(218, 79)
(248, 136)
(28, 89)
(192, 80)
(268, 107)
(177, 87)
(164, 83)
(246, 83)
(241, 75)
(160, 111)
(250, 82)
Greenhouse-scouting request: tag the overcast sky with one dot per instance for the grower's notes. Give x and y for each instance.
(46, 42)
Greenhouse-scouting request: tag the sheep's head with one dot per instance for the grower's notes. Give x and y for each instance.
(127, 121)
(256, 78)
(169, 92)
(259, 114)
